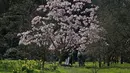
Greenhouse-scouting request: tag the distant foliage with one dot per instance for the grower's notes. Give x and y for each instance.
(15, 16)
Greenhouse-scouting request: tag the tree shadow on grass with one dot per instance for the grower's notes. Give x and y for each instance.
(51, 70)
(3, 71)
(90, 67)
(115, 67)
(57, 71)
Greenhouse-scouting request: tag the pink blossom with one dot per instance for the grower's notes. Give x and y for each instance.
(66, 24)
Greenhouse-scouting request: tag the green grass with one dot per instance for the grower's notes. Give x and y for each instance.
(8, 66)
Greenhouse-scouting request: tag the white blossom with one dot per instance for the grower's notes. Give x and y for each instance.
(36, 19)
(66, 24)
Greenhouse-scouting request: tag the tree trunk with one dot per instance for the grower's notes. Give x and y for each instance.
(104, 60)
(42, 64)
(108, 61)
(43, 58)
(60, 59)
(60, 62)
(121, 60)
(100, 63)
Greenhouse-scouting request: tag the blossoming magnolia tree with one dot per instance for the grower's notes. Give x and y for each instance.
(64, 24)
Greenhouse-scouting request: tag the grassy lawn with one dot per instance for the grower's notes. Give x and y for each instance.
(11, 66)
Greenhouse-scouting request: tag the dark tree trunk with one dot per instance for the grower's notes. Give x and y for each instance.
(44, 48)
(100, 63)
(42, 63)
(60, 61)
(108, 61)
(104, 60)
(121, 60)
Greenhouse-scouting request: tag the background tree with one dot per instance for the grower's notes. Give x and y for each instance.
(114, 16)
(15, 16)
